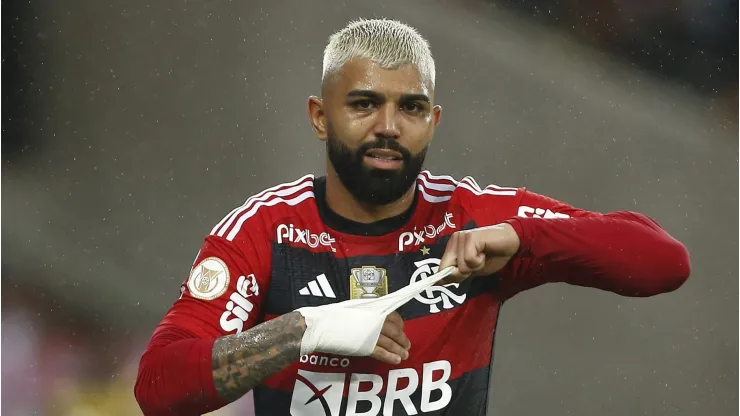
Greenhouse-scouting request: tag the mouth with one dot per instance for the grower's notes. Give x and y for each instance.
(384, 154)
(384, 159)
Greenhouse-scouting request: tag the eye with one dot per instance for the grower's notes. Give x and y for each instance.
(363, 104)
(412, 107)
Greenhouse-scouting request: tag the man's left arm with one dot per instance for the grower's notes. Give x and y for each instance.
(623, 252)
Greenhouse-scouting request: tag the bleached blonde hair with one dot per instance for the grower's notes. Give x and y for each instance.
(389, 43)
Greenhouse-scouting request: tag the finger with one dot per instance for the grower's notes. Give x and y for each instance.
(491, 266)
(395, 333)
(449, 258)
(462, 264)
(393, 347)
(451, 279)
(395, 318)
(473, 252)
(381, 354)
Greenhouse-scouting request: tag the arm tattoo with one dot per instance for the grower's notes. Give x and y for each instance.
(242, 361)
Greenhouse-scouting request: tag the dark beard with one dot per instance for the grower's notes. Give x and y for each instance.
(370, 185)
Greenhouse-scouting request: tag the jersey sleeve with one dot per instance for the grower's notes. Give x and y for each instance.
(623, 252)
(533, 205)
(224, 291)
(222, 295)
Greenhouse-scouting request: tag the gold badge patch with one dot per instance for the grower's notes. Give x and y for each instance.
(368, 282)
(209, 279)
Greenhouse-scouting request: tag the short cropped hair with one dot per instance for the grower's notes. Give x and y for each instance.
(389, 43)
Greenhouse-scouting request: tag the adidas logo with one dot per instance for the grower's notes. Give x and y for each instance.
(318, 287)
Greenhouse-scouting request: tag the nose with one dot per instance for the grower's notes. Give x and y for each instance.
(387, 124)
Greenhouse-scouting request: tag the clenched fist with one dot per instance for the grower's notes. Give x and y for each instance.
(479, 252)
(393, 346)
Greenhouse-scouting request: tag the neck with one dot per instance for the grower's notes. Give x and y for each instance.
(342, 202)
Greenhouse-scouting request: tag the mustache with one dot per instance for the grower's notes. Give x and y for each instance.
(384, 143)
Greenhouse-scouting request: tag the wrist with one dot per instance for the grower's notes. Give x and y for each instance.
(298, 327)
(522, 236)
(334, 330)
(300, 321)
(512, 241)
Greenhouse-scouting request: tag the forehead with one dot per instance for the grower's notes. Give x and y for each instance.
(364, 74)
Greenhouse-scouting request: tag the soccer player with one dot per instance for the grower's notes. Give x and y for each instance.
(271, 303)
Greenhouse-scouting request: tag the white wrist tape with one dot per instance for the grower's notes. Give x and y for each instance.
(352, 327)
(344, 331)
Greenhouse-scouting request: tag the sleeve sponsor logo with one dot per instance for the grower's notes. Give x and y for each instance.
(529, 212)
(238, 307)
(209, 279)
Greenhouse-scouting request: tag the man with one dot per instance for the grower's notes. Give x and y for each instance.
(280, 299)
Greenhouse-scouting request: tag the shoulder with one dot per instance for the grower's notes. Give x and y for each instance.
(465, 198)
(443, 187)
(261, 209)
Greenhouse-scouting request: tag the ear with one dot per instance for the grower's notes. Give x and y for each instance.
(317, 116)
(436, 114)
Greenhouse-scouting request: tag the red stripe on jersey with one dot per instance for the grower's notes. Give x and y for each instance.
(385, 245)
(430, 341)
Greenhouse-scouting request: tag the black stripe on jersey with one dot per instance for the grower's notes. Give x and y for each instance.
(294, 268)
(469, 398)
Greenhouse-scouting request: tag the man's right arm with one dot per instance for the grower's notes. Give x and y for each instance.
(241, 362)
(210, 348)
(183, 375)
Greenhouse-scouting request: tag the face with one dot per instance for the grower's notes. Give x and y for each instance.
(377, 124)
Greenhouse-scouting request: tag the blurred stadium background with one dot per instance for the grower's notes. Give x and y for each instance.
(130, 128)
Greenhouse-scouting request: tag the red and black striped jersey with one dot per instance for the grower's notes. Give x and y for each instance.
(284, 249)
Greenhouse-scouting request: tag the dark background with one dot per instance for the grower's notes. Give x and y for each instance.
(130, 128)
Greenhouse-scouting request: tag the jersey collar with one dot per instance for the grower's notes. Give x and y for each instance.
(347, 226)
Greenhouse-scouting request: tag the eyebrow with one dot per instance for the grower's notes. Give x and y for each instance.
(380, 97)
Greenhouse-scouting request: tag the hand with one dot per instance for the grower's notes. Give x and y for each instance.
(392, 346)
(333, 328)
(479, 252)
